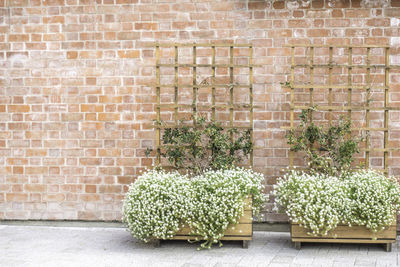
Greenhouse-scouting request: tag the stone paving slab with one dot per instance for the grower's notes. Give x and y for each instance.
(88, 246)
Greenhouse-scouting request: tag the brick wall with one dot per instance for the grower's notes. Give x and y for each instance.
(76, 105)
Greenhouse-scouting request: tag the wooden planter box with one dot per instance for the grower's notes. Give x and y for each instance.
(243, 231)
(346, 234)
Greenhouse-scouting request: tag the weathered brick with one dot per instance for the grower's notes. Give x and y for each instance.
(18, 37)
(108, 116)
(36, 153)
(16, 197)
(129, 53)
(128, 35)
(54, 37)
(35, 188)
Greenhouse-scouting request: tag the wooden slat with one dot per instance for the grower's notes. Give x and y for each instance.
(349, 83)
(330, 96)
(194, 65)
(353, 128)
(205, 85)
(199, 106)
(367, 111)
(291, 160)
(158, 110)
(341, 66)
(231, 90)
(336, 45)
(345, 232)
(343, 108)
(251, 103)
(227, 238)
(176, 70)
(197, 45)
(343, 240)
(248, 203)
(311, 89)
(213, 92)
(386, 120)
(343, 86)
(166, 126)
(241, 229)
(194, 72)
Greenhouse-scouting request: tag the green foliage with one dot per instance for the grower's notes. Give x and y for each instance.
(206, 146)
(159, 203)
(329, 150)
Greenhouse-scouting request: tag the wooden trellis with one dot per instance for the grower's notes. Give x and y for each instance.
(196, 85)
(311, 68)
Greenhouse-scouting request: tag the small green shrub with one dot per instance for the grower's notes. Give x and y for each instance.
(329, 150)
(320, 202)
(206, 146)
(158, 204)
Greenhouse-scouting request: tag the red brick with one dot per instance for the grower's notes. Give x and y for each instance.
(72, 54)
(110, 99)
(90, 161)
(18, 3)
(395, 3)
(129, 53)
(113, 189)
(357, 13)
(279, 4)
(108, 116)
(221, 6)
(92, 108)
(260, 24)
(318, 33)
(36, 170)
(89, 197)
(148, 26)
(299, 23)
(16, 197)
(110, 170)
(128, 162)
(36, 153)
(53, 2)
(35, 188)
(71, 117)
(278, 51)
(18, 37)
(54, 19)
(125, 179)
(90, 188)
(128, 35)
(91, 54)
(54, 37)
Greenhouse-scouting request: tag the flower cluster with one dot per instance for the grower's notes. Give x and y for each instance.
(320, 202)
(159, 203)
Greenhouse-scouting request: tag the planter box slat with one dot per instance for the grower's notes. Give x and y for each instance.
(343, 231)
(346, 234)
(243, 231)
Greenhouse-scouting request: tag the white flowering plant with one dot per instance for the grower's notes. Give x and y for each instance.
(320, 202)
(161, 203)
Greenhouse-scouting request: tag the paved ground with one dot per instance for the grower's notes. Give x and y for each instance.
(84, 246)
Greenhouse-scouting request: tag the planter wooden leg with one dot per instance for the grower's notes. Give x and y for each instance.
(157, 243)
(388, 247)
(297, 245)
(245, 244)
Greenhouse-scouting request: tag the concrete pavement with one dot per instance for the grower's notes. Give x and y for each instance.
(97, 246)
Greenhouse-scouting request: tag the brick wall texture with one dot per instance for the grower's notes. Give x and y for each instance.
(76, 101)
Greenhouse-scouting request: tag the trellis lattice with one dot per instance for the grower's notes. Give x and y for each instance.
(361, 68)
(235, 57)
